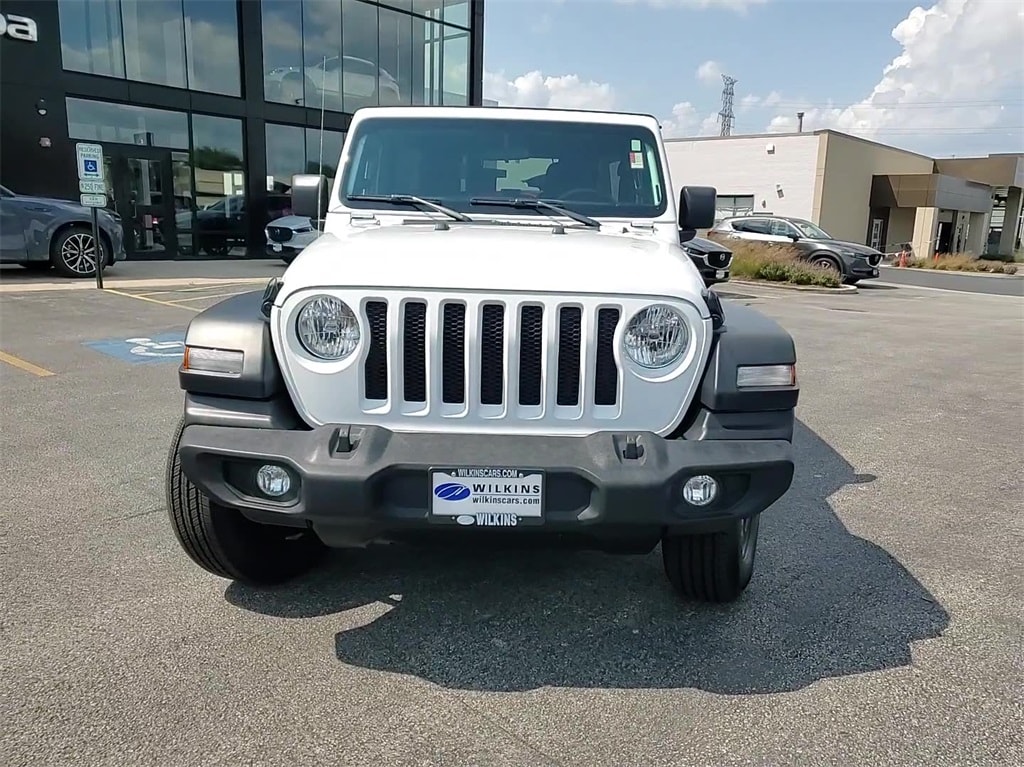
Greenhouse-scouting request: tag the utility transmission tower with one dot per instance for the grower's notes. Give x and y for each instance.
(726, 116)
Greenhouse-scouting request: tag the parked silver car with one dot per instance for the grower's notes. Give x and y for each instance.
(288, 235)
(40, 232)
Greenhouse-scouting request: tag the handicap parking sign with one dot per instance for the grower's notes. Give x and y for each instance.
(91, 166)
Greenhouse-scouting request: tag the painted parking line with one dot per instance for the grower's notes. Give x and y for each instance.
(204, 297)
(199, 289)
(143, 350)
(153, 300)
(25, 365)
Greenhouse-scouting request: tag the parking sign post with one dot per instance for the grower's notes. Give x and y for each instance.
(92, 194)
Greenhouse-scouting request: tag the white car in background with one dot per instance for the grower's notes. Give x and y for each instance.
(356, 80)
(289, 235)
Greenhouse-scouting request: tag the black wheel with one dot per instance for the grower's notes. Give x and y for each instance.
(223, 542)
(713, 567)
(830, 264)
(73, 252)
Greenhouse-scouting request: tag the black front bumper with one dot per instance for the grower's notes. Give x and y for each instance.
(364, 482)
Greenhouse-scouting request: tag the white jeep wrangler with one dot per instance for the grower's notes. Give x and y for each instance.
(498, 336)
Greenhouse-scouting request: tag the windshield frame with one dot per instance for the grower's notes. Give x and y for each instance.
(652, 153)
(809, 229)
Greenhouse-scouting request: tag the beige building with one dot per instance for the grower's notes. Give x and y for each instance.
(861, 191)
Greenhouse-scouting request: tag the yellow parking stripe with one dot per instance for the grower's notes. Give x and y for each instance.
(151, 300)
(28, 367)
(204, 297)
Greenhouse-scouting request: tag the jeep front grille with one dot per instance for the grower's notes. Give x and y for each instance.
(510, 337)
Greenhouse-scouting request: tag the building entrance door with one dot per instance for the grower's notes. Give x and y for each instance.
(152, 195)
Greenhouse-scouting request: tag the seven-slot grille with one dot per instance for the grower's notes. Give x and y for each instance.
(563, 353)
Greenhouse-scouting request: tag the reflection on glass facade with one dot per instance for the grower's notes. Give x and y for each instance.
(126, 124)
(292, 149)
(180, 43)
(347, 54)
(191, 183)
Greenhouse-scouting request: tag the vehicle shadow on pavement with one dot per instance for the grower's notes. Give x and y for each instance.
(823, 603)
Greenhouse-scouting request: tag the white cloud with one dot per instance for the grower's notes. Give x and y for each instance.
(710, 73)
(685, 121)
(959, 60)
(535, 89)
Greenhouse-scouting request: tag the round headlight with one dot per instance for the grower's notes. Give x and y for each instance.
(656, 336)
(328, 328)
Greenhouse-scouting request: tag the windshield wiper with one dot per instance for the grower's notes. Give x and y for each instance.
(409, 199)
(533, 202)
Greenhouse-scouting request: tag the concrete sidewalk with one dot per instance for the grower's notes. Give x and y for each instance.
(147, 274)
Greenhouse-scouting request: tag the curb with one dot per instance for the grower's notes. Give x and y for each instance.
(917, 269)
(164, 282)
(841, 290)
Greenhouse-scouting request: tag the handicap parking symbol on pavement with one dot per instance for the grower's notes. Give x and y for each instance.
(142, 349)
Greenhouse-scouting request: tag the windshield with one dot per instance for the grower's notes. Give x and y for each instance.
(807, 229)
(594, 169)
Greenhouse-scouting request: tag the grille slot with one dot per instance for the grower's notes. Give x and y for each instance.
(414, 353)
(606, 373)
(570, 329)
(492, 354)
(375, 369)
(453, 355)
(531, 354)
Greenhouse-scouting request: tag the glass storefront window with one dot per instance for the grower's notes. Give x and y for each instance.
(91, 38)
(455, 86)
(321, 54)
(427, 81)
(126, 124)
(456, 12)
(332, 143)
(396, 52)
(218, 222)
(282, 51)
(154, 41)
(211, 37)
(363, 82)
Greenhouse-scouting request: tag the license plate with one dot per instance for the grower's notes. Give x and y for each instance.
(276, 247)
(487, 496)
(720, 273)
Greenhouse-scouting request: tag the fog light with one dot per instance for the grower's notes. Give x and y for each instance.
(700, 490)
(273, 480)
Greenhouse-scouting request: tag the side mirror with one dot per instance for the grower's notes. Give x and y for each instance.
(310, 195)
(696, 209)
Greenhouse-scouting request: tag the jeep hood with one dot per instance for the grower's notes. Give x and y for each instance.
(496, 258)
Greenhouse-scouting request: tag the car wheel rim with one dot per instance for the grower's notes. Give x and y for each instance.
(79, 253)
(825, 263)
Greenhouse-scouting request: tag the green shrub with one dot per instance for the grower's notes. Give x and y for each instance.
(962, 262)
(774, 262)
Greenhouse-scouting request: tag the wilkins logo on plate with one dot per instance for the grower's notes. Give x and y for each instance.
(452, 491)
(488, 497)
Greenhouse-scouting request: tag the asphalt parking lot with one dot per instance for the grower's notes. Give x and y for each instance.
(883, 625)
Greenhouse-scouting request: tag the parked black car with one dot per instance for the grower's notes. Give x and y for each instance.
(712, 259)
(851, 261)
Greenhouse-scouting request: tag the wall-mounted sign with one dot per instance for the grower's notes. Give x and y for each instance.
(18, 28)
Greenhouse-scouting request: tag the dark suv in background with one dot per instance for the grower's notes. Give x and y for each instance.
(851, 261)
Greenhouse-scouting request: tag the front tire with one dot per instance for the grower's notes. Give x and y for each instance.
(225, 543)
(712, 567)
(73, 252)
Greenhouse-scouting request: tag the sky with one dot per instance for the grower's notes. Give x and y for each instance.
(944, 79)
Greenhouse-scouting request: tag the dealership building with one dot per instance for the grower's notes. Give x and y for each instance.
(861, 191)
(206, 108)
